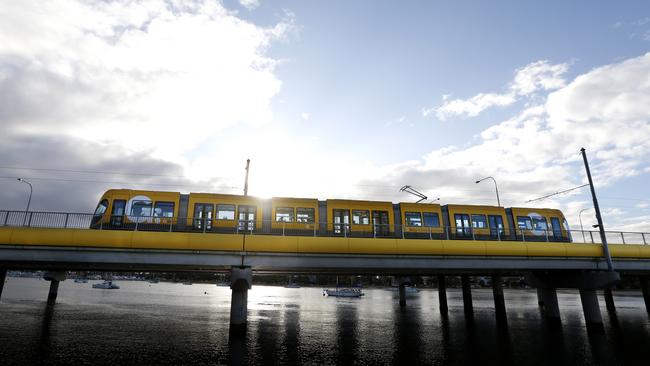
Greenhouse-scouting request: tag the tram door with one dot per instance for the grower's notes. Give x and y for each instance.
(380, 223)
(463, 227)
(246, 217)
(496, 226)
(203, 216)
(117, 214)
(557, 228)
(341, 221)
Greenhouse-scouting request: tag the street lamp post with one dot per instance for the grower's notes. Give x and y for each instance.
(30, 197)
(582, 229)
(495, 187)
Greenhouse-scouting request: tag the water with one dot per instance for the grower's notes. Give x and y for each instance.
(168, 324)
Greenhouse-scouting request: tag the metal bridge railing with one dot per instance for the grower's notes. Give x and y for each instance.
(65, 220)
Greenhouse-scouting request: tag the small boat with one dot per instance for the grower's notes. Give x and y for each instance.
(223, 284)
(154, 280)
(108, 285)
(292, 285)
(80, 280)
(187, 283)
(343, 292)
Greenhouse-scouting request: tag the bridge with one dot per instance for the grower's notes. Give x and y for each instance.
(60, 242)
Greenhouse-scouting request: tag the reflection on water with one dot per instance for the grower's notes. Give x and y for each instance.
(174, 324)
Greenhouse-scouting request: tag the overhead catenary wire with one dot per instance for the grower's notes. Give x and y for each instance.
(125, 183)
(556, 193)
(91, 172)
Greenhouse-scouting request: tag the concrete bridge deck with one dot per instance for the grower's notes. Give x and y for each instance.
(549, 265)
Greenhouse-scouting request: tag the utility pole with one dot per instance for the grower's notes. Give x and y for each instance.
(248, 163)
(608, 257)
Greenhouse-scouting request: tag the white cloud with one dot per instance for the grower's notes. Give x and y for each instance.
(250, 4)
(155, 77)
(534, 77)
(537, 151)
(305, 116)
(470, 107)
(540, 75)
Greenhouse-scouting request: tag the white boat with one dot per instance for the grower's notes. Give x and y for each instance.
(343, 292)
(80, 280)
(407, 289)
(292, 285)
(108, 285)
(223, 284)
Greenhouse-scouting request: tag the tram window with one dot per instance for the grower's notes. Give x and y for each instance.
(361, 217)
(305, 215)
(431, 219)
(284, 214)
(539, 223)
(163, 209)
(413, 219)
(141, 208)
(101, 208)
(225, 212)
(479, 222)
(524, 223)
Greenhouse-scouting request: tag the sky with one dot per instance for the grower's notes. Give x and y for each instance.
(329, 99)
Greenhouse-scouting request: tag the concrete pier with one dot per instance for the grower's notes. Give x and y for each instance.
(499, 300)
(3, 276)
(551, 307)
(241, 280)
(402, 295)
(540, 297)
(54, 292)
(442, 294)
(467, 296)
(645, 289)
(54, 278)
(590, 306)
(609, 299)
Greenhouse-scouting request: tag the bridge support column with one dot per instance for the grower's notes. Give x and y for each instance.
(402, 281)
(609, 300)
(54, 292)
(3, 276)
(467, 296)
(241, 280)
(645, 289)
(402, 295)
(442, 294)
(550, 308)
(540, 297)
(499, 300)
(590, 307)
(54, 278)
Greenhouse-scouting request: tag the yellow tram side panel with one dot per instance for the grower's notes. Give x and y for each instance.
(352, 205)
(294, 203)
(127, 194)
(225, 199)
(478, 210)
(421, 208)
(547, 213)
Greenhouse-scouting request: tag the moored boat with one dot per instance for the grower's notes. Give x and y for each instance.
(343, 292)
(107, 285)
